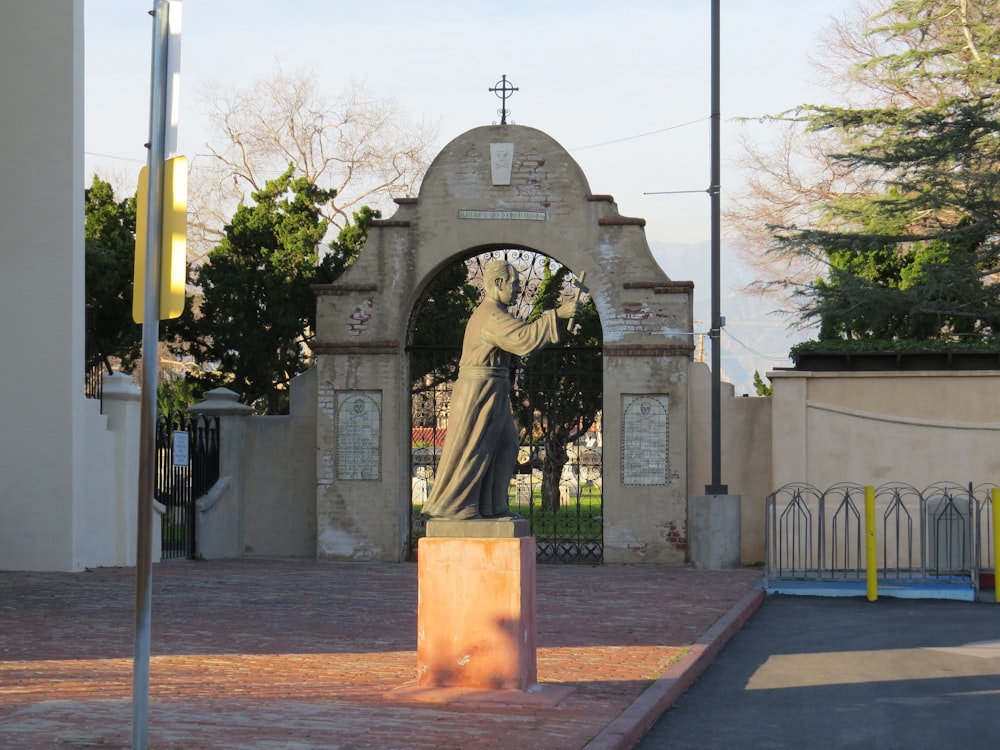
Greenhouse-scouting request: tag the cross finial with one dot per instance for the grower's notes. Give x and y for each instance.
(503, 89)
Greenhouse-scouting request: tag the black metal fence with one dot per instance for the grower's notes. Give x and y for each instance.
(939, 535)
(95, 364)
(560, 487)
(187, 465)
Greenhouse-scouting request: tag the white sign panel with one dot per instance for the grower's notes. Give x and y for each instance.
(181, 448)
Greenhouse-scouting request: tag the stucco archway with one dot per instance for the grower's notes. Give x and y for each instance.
(502, 186)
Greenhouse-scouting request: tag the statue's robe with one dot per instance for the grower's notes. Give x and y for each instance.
(480, 447)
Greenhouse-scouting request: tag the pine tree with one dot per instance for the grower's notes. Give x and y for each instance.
(913, 251)
(254, 318)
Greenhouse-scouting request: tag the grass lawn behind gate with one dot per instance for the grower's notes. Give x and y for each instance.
(571, 521)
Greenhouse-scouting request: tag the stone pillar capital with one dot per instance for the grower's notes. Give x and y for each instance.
(119, 387)
(221, 402)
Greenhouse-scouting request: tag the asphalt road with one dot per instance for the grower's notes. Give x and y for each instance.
(808, 672)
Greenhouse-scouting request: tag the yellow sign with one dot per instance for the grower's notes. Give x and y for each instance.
(173, 267)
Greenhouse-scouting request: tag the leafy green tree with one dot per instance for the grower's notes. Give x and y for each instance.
(253, 322)
(109, 236)
(908, 225)
(176, 393)
(344, 250)
(760, 387)
(558, 392)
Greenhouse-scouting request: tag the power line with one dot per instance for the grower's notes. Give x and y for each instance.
(112, 156)
(642, 135)
(570, 150)
(771, 357)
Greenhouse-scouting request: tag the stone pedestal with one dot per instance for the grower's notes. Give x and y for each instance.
(714, 531)
(476, 605)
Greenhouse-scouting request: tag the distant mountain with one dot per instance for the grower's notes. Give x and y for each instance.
(755, 337)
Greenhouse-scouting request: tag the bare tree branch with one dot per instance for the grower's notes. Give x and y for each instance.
(362, 146)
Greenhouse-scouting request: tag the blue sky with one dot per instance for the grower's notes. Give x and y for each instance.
(624, 86)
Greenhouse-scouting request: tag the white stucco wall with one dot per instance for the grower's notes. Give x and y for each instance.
(42, 463)
(67, 471)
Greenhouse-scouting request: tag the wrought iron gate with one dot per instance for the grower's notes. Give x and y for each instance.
(182, 479)
(556, 396)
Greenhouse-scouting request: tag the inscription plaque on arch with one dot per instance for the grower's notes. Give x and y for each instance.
(359, 436)
(645, 434)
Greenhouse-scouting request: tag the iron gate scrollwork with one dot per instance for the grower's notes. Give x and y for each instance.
(556, 398)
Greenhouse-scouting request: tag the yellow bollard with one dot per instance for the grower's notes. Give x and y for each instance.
(995, 506)
(871, 552)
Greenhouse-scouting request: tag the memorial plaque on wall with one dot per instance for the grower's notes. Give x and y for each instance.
(645, 429)
(359, 436)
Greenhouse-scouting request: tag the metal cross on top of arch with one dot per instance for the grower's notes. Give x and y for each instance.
(503, 89)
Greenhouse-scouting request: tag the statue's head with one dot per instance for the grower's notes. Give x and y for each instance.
(501, 281)
(497, 271)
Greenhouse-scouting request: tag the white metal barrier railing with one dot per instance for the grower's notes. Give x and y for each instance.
(943, 534)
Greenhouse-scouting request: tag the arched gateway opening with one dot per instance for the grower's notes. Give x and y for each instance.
(507, 189)
(556, 397)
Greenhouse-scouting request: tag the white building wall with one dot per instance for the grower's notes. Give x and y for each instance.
(41, 282)
(61, 504)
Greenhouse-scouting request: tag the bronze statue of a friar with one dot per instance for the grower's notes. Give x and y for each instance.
(481, 445)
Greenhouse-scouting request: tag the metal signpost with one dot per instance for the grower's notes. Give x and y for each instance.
(162, 128)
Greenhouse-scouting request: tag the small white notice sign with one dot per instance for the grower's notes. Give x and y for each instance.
(181, 448)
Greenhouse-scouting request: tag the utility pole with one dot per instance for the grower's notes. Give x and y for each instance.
(715, 334)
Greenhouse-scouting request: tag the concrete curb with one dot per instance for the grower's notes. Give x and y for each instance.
(626, 731)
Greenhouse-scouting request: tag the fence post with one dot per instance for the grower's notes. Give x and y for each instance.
(220, 523)
(995, 512)
(121, 407)
(871, 550)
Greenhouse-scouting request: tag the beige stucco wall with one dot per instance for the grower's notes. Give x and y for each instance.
(363, 323)
(746, 454)
(280, 477)
(263, 503)
(876, 427)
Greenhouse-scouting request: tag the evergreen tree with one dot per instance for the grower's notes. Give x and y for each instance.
(109, 237)
(254, 320)
(913, 249)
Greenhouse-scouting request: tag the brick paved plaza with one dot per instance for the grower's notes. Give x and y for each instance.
(302, 655)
